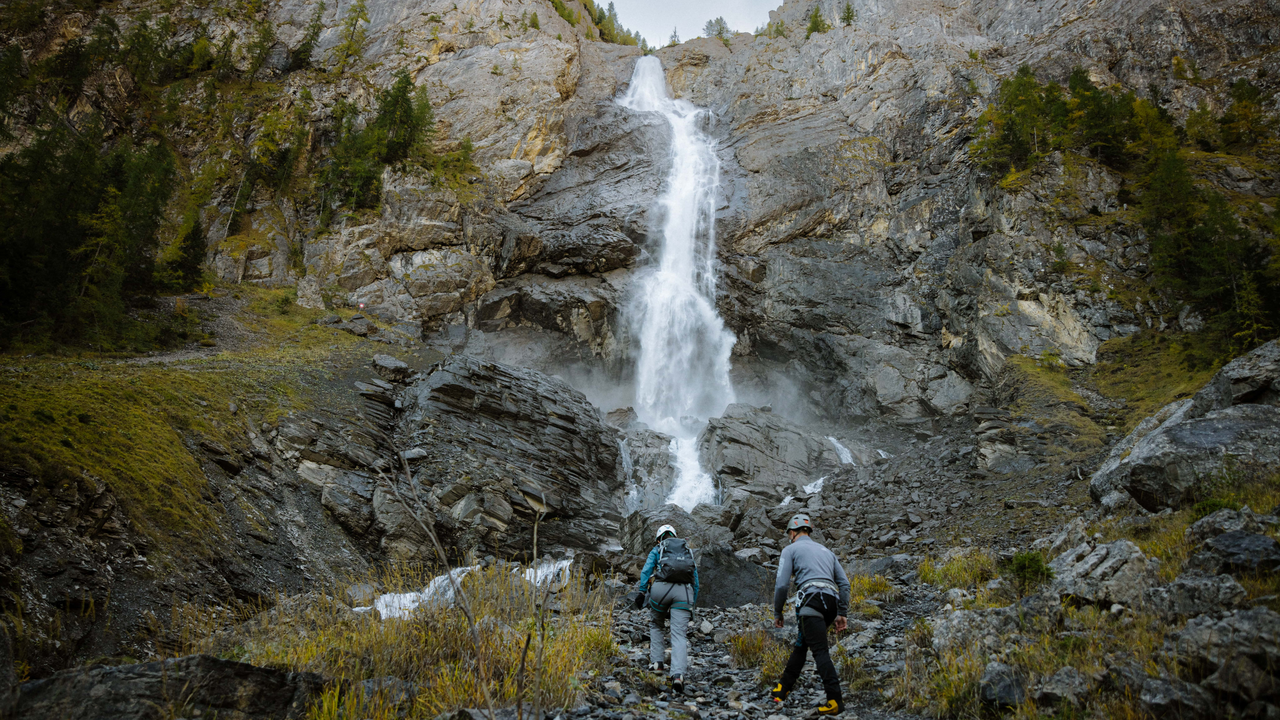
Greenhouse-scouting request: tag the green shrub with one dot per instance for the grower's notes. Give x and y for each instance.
(817, 24)
(1028, 569)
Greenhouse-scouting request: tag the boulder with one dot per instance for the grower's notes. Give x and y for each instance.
(391, 369)
(764, 453)
(1236, 552)
(652, 468)
(1071, 535)
(639, 530)
(1209, 642)
(503, 446)
(1176, 699)
(1227, 520)
(730, 581)
(196, 685)
(986, 628)
(1067, 685)
(1195, 593)
(1116, 572)
(1162, 462)
(1002, 686)
(1251, 378)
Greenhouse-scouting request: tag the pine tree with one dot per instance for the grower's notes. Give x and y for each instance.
(674, 39)
(260, 48)
(848, 15)
(533, 22)
(302, 56)
(816, 23)
(717, 28)
(354, 35)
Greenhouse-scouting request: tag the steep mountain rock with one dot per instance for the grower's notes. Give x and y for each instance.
(864, 253)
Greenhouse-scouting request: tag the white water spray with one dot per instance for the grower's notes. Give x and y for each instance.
(682, 371)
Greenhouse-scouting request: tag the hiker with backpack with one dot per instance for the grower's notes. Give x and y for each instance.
(670, 577)
(822, 600)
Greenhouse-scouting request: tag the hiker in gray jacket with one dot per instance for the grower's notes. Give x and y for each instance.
(671, 579)
(822, 599)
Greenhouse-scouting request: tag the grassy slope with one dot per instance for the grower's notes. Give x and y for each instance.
(134, 427)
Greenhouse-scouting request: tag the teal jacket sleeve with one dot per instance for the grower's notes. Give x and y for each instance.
(649, 565)
(695, 583)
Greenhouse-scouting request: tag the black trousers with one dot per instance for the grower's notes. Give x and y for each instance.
(812, 638)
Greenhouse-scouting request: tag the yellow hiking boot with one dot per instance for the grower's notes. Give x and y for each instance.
(832, 707)
(778, 694)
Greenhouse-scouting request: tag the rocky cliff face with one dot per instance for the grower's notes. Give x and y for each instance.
(864, 255)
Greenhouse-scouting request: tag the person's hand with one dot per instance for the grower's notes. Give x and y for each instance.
(777, 622)
(841, 623)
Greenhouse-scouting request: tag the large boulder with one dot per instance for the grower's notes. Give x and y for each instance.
(1227, 520)
(652, 468)
(192, 686)
(1116, 572)
(639, 530)
(1195, 593)
(1234, 418)
(730, 581)
(764, 453)
(1232, 656)
(497, 447)
(1238, 551)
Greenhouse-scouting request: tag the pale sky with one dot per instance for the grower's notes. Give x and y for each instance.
(655, 18)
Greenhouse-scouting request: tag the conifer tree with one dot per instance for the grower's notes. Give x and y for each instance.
(354, 35)
(848, 14)
(817, 24)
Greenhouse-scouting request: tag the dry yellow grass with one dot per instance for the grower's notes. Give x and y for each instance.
(566, 643)
(945, 684)
(966, 571)
(863, 588)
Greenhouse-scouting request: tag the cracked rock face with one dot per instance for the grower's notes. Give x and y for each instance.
(861, 248)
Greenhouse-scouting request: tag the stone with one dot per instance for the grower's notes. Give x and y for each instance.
(201, 684)
(759, 452)
(391, 369)
(706, 627)
(1238, 551)
(1251, 378)
(1067, 685)
(511, 445)
(1195, 593)
(1223, 521)
(1214, 647)
(728, 581)
(1161, 463)
(1071, 535)
(1177, 699)
(1002, 686)
(1116, 572)
(639, 531)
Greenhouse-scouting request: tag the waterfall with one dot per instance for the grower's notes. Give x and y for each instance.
(682, 367)
(846, 457)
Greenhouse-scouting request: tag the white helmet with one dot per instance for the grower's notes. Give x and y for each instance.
(666, 529)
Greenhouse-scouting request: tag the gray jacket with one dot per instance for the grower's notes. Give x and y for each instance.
(810, 563)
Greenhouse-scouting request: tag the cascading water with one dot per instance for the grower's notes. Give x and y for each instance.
(682, 369)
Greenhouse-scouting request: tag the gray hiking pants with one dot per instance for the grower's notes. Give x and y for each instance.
(673, 603)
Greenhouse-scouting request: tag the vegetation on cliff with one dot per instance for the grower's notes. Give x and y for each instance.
(1219, 252)
(105, 203)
